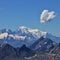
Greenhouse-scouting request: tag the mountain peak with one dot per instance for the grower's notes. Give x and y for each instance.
(23, 27)
(24, 46)
(28, 29)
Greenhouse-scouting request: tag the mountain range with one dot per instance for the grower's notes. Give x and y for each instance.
(28, 44)
(42, 49)
(24, 35)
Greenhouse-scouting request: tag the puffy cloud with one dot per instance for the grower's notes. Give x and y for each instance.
(20, 37)
(17, 37)
(47, 16)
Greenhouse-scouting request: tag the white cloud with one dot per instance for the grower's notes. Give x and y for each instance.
(47, 16)
(17, 37)
(20, 37)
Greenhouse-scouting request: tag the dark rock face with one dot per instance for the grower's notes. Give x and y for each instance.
(7, 51)
(42, 44)
(56, 49)
(25, 51)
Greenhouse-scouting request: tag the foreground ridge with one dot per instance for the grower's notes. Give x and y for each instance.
(8, 52)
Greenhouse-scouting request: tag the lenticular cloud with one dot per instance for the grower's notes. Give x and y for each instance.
(47, 16)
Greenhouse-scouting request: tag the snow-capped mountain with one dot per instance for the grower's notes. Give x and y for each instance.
(19, 37)
(23, 35)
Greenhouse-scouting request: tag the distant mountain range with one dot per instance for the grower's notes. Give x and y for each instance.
(24, 35)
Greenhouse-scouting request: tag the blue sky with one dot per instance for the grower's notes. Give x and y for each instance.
(14, 13)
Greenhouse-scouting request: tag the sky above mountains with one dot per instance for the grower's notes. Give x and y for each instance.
(15, 13)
